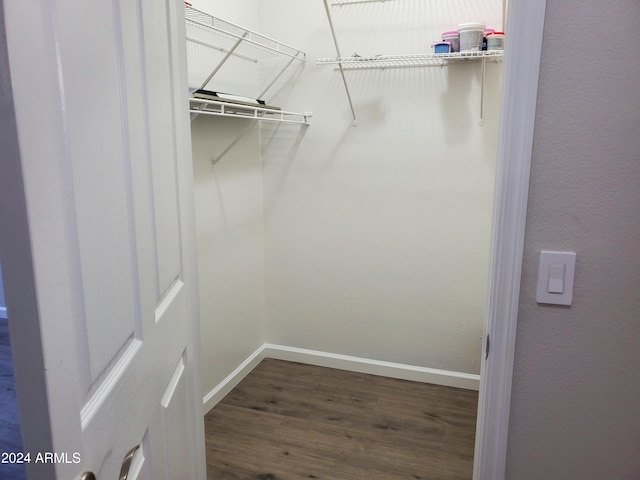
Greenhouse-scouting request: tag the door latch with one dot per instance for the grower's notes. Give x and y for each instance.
(486, 347)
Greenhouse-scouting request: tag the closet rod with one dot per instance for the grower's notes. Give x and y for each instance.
(344, 80)
(220, 49)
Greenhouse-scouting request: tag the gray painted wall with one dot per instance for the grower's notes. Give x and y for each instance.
(576, 390)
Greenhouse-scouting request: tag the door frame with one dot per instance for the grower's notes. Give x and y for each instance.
(524, 26)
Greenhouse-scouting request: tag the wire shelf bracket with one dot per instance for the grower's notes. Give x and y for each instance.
(344, 79)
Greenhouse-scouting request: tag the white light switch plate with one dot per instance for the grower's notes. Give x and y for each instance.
(555, 277)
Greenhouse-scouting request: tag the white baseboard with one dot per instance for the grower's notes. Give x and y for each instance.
(212, 398)
(374, 367)
(3, 312)
(342, 362)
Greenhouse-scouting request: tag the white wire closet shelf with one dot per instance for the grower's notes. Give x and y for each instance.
(199, 106)
(213, 43)
(359, 62)
(411, 60)
(199, 19)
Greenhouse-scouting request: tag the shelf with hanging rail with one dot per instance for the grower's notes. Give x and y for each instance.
(357, 62)
(199, 106)
(221, 41)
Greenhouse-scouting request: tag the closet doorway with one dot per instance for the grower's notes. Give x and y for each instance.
(326, 207)
(509, 218)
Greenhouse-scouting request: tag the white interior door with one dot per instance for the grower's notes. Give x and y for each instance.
(100, 96)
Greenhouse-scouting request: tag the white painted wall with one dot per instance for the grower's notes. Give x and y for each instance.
(230, 245)
(576, 389)
(377, 236)
(229, 219)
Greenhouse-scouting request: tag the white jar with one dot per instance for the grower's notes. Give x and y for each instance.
(471, 35)
(495, 41)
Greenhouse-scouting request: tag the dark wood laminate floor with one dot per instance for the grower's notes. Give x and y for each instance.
(289, 421)
(10, 436)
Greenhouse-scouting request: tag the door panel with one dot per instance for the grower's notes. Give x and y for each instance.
(137, 119)
(160, 103)
(174, 407)
(101, 194)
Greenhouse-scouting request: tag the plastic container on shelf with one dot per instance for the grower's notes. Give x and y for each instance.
(441, 47)
(495, 41)
(471, 36)
(452, 37)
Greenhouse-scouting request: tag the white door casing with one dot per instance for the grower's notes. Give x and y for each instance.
(100, 95)
(525, 26)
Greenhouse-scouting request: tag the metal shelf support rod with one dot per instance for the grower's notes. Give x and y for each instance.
(284, 69)
(232, 144)
(484, 68)
(344, 80)
(226, 57)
